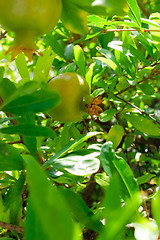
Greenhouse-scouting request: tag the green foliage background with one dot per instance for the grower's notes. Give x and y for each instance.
(91, 179)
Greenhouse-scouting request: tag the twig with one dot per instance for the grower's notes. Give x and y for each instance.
(130, 87)
(130, 30)
(11, 227)
(15, 142)
(140, 110)
(143, 80)
(143, 9)
(3, 35)
(40, 158)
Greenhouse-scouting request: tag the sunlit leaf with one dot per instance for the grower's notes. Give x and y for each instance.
(51, 211)
(143, 124)
(38, 101)
(69, 146)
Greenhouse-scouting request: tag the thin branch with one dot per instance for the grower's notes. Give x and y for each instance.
(151, 76)
(3, 34)
(11, 227)
(140, 110)
(15, 142)
(130, 30)
(130, 87)
(40, 158)
(143, 9)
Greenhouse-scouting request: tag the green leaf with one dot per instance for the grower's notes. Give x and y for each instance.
(43, 65)
(3, 120)
(106, 157)
(2, 69)
(41, 100)
(49, 206)
(156, 206)
(155, 17)
(97, 21)
(145, 178)
(113, 164)
(13, 200)
(50, 40)
(126, 175)
(80, 164)
(107, 115)
(116, 225)
(89, 74)
(29, 130)
(144, 125)
(7, 88)
(74, 18)
(33, 226)
(81, 211)
(103, 7)
(138, 54)
(109, 63)
(5, 238)
(115, 135)
(4, 215)
(10, 159)
(71, 145)
(102, 179)
(71, 67)
(29, 141)
(147, 89)
(80, 59)
(134, 11)
(22, 67)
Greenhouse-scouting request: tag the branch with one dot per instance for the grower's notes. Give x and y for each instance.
(143, 9)
(130, 30)
(140, 110)
(11, 227)
(151, 76)
(3, 34)
(15, 142)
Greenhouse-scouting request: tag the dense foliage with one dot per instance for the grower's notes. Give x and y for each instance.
(98, 177)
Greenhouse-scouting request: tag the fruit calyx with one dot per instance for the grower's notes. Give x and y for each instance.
(93, 108)
(23, 42)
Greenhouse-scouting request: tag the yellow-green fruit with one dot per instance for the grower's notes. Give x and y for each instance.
(75, 95)
(29, 18)
(74, 18)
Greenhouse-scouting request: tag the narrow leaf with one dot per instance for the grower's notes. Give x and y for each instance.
(115, 135)
(81, 211)
(49, 206)
(69, 146)
(144, 125)
(10, 159)
(113, 164)
(109, 62)
(22, 67)
(36, 102)
(80, 59)
(79, 165)
(13, 200)
(134, 11)
(29, 130)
